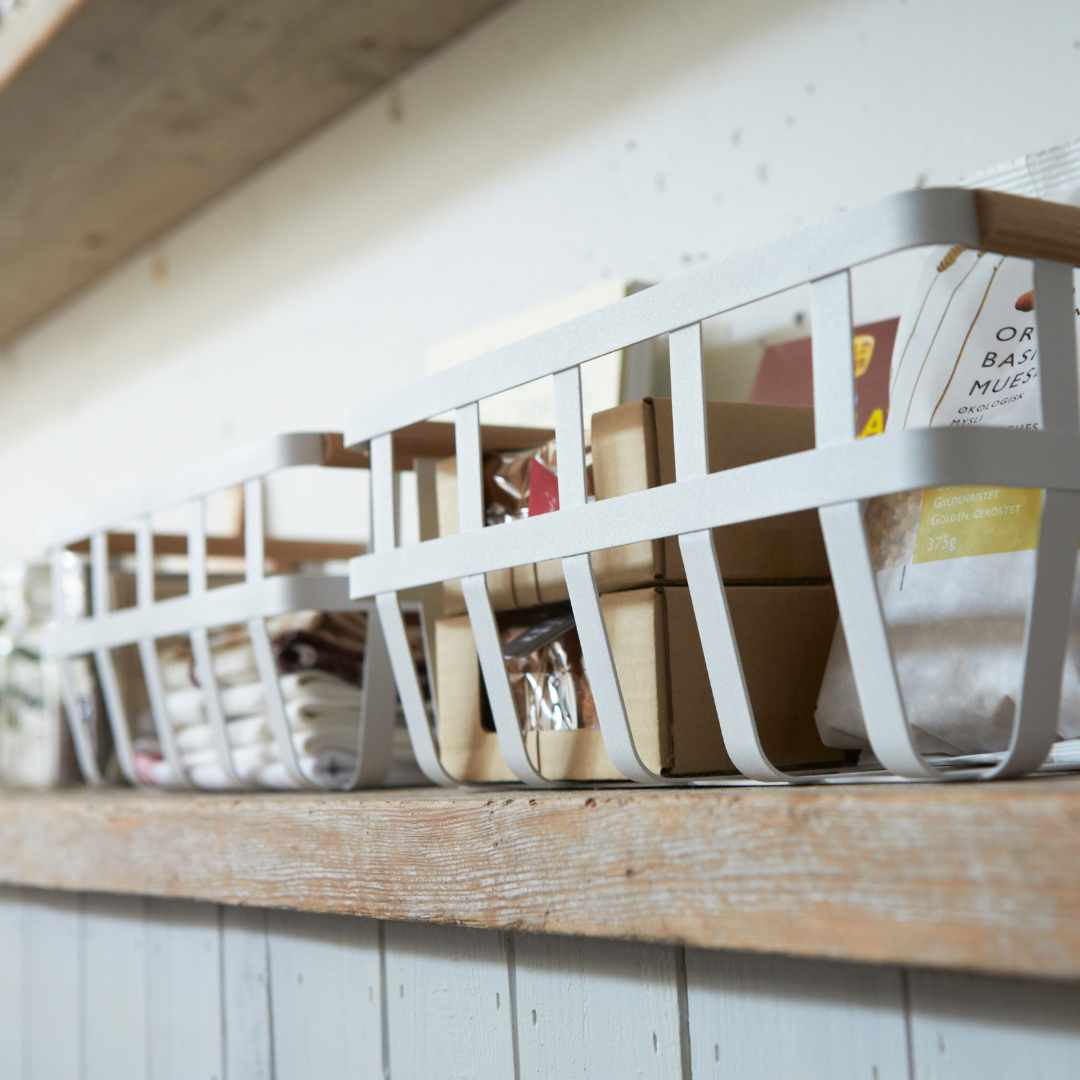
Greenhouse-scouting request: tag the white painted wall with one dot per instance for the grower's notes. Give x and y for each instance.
(559, 143)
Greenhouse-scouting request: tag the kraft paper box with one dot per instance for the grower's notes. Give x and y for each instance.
(633, 449)
(784, 633)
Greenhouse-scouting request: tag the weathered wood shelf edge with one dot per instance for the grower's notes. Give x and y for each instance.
(119, 119)
(977, 877)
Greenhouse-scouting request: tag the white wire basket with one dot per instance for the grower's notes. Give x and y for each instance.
(249, 602)
(833, 478)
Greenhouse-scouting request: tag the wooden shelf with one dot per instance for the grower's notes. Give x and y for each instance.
(978, 877)
(119, 118)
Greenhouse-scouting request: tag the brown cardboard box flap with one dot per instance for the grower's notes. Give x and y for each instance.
(633, 449)
(783, 632)
(771, 549)
(625, 459)
(467, 752)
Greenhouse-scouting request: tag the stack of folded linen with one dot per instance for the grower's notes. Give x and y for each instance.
(320, 663)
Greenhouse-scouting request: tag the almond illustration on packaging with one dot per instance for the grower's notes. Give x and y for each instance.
(1026, 302)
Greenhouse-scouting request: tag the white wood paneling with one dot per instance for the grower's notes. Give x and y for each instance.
(115, 972)
(448, 1003)
(964, 1026)
(246, 994)
(758, 1017)
(326, 996)
(53, 985)
(109, 987)
(12, 915)
(184, 999)
(590, 1008)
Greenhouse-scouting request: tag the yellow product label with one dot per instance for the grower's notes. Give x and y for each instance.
(875, 425)
(959, 521)
(862, 346)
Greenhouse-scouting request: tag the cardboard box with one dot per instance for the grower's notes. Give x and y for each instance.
(633, 449)
(784, 633)
(517, 587)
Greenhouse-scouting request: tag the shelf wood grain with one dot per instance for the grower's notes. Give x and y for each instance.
(977, 877)
(119, 118)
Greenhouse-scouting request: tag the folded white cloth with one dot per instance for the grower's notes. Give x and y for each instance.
(186, 706)
(232, 664)
(176, 674)
(321, 685)
(338, 730)
(255, 755)
(328, 768)
(235, 664)
(322, 709)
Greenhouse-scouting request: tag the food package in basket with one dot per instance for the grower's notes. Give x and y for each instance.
(955, 565)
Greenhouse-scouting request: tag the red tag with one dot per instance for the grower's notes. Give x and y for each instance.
(543, 489)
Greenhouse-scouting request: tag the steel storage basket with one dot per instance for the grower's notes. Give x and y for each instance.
(832, 478)
(249, 602)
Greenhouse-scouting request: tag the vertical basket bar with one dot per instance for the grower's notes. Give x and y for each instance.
(1046, 631)
(845, 537)
(470, 479)
(84, 744)
(584, 597)
(110, 685)
(431, 596)
(148, 655)
(261, 648)
(200, 645)
(392, 622)
(722, 661)
(375, 739)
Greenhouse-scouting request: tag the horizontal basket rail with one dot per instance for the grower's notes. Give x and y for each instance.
(1007, 224)
(832, 478)
(222, 606)
(900, 461)
(427, 439)
(278, 551)
(206, 478)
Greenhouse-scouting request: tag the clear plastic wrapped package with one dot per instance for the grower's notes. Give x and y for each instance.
(547, 675)
(35, 745)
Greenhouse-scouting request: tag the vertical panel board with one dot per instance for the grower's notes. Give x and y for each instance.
(448, 1003)
(591, 1008)
(985, 1029)
(115, 958)
(246, 994)
(758, 1017)
(325, 994)
(11, 982)
(184, 1026)
(52, 980)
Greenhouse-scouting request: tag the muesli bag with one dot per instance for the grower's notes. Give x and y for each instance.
(955, 565)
